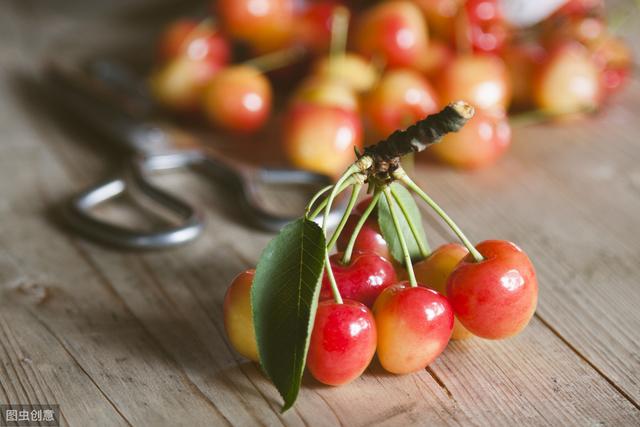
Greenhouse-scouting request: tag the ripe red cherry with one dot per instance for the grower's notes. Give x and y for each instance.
(401, 98)
(494, 298)
(434, 272)
(238, 98)
(343, 342)
(370, 237)
(238, 319)
(264, 24)
(395, 31)
(487, 27)
(313, 25)
(414, 326)
(479, 143)
(363, 279)
(196, 40)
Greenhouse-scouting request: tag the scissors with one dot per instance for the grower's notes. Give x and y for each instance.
(108, 97)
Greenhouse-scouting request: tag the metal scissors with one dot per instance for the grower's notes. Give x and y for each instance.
(109, 98)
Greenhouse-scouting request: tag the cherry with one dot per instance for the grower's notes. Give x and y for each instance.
(238, 98)
(265, 24)
(481, 80)
(196, 40)
(401, 98)
(440, 15)
(487, 27)
(494, 298)
(613, 57)
(434, 272)
(238, 319)
(369, 238)
(479, 143)
(321, 138)
(179, 83)
(568, 81)
(350, 68)
(313, 25)
(363, 279)
(394, 31)
(435, 59)
(328, 92)
(414, 326)
(343, 342)
(522, 60)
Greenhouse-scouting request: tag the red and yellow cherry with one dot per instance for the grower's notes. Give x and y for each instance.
(238, 98)
(179, 83)
(313, 25)
(238, 319)
(434, 272)
(568, 81)
(321, 138)
(264, 24)
(343, 342)
(196, 40)
(487, 27)
(481, 80)
(613, 57)
(441, 16)
(523, 59)
(363, 279)
(581, 7)
(369, 238)
(435, 59)
(327, 92)
(414, 326)
(394, 31)
(401, 97)
(478, 144)
(349, 68)
(494, 298)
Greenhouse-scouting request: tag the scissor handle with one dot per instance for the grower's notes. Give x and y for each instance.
(79, 216)
(246, 181)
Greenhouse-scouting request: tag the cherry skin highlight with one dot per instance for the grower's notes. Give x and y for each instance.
(363, 279)
(494, 298)
(343, 342)
(435, 271)
(369, 238)
(238, 319)
(414, 326)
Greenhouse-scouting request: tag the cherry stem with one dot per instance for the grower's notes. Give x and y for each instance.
(346, 257)
(314, 199)
(403, 244)
(355, 191)
(323, 203)
(423, 245)
(353, 169)
(339, 31)
(404, 178)
(274, 60)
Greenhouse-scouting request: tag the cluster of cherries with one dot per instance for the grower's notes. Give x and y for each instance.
(457, 296)
(405, 60)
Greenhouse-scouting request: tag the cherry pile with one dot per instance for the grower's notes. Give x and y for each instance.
(374, 302)
(360, 70)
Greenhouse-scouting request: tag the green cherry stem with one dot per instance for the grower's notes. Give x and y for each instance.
(352, 170)
(404, 178)
(423, 245)
(314, 199)
(346, 258)
(355, 191)
(339, 31)
(403, 243)
(323, 204)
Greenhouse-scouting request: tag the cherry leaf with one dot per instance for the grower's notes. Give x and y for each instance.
(389, 231)
(284, 298)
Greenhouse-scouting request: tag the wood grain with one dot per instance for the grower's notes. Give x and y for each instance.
(137, 338)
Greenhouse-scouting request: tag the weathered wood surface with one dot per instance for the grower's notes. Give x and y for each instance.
(136, 338)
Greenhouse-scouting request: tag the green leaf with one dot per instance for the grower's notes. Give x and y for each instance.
(389, 231)
(284, 298)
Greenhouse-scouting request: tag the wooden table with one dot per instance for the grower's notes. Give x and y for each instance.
(119, 337)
